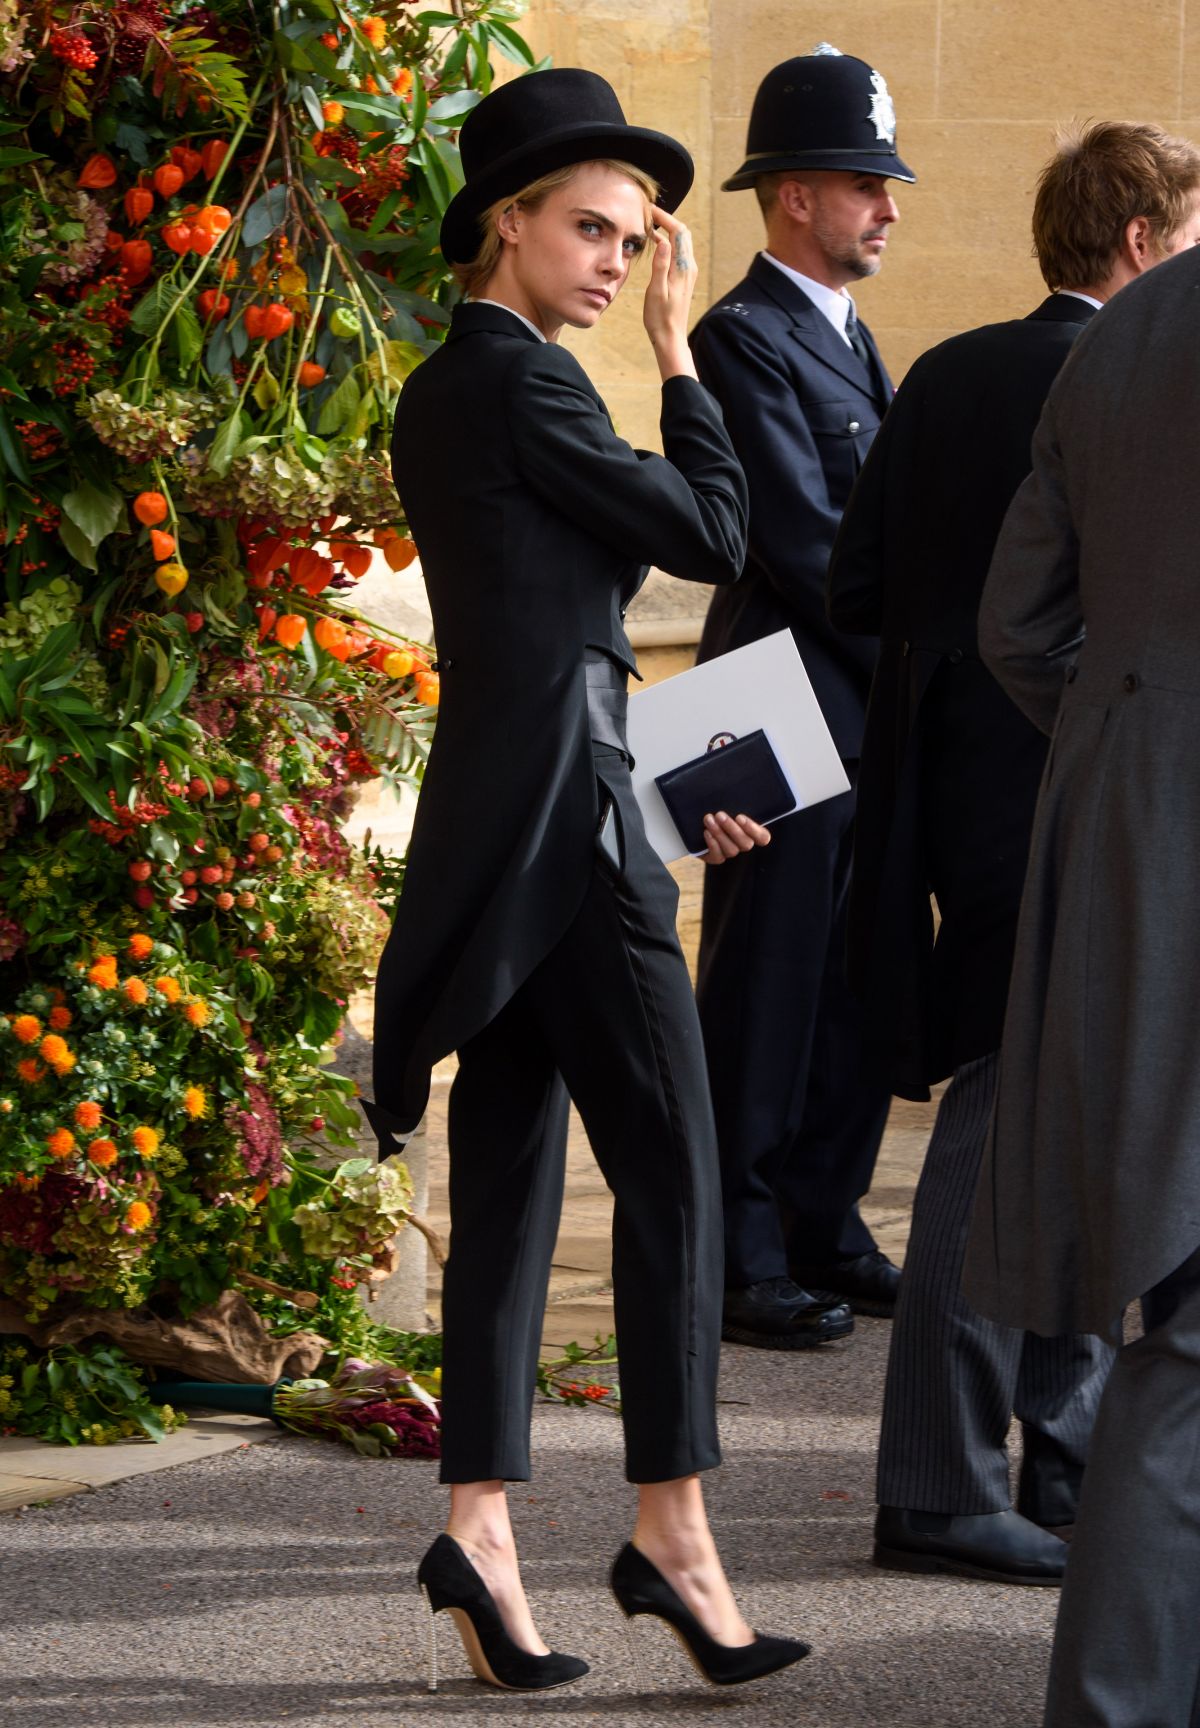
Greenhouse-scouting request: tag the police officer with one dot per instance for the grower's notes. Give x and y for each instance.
(799, 1112)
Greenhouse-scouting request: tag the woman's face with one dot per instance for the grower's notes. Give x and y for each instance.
(569, 258)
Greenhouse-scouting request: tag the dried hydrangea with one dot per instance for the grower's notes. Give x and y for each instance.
(366, 492)
(266, 485)
(140, 431)
(83, 253)
(13, 25)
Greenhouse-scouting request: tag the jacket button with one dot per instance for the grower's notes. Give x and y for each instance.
(955, 656)
(854, 426)
(904, 647)
(1131, 682)
(1072, 674)
(440, 665)
(623, 611)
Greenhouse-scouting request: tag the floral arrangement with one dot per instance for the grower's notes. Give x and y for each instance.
(380, 1410)
(218, 263)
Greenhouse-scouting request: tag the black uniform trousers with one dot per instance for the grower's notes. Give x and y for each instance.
(609, 1019)
(954, 1379)
(800, 1111)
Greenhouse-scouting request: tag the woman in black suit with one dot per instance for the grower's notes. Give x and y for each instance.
(536, 931)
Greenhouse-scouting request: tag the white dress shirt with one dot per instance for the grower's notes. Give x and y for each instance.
(1074, 294)
(835, 303)
(528, 322)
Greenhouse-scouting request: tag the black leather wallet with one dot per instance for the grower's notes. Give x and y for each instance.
(742, 778)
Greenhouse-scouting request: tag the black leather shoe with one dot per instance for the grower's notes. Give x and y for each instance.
(869, 1283)
(777, 1315)
(1001, 1546)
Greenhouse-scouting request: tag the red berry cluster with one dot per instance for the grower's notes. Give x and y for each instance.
(73, 49)
(46, 516)
(74, 369)
(40, 441)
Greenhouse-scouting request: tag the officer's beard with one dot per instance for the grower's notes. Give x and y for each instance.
(849, 254)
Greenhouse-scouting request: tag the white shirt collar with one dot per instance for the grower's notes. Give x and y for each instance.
(1076, 295)
(833, 302)
(528, 322)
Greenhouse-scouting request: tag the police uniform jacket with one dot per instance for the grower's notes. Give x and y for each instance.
(950, 767)
(803, 408)
(536, 525)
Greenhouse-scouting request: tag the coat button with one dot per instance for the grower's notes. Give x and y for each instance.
(623, 611)
(955, 656)
(904, 647)
(854, 426)
(1072, 674)
(440, 665)
(1131, 682)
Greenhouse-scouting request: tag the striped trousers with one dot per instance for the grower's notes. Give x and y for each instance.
(954, 1379)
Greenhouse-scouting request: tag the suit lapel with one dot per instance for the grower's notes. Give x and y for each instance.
(811, 327)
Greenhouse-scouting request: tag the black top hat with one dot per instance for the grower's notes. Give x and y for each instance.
(544, 121)
(821, 110)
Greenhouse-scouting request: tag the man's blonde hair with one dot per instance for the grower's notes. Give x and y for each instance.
(474, 275)
(1098, 180)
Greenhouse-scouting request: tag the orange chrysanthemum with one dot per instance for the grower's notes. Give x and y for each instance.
(27, 1028)
(103, 972)
(135, 991)
(102, 1153)
(61, 1143)
(31, 1070)
(88, 1114)
(60, 1018)
(138, 1215)
(197, 1012)
(195, 1102)
(168, 987)
(140, 946)
(145, 1141)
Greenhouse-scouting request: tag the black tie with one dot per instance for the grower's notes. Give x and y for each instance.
(856, 339)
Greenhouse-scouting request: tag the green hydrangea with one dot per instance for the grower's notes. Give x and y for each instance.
(25, 623)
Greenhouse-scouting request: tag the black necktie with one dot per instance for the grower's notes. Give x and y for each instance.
(856, 339)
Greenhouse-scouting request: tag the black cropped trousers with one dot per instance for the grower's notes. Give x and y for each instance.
(607, 1019)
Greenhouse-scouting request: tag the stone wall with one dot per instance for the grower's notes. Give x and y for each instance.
(979, 86)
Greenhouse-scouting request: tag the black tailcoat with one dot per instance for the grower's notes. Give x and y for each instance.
(798, 1126)
(950, 768)
(536, 525)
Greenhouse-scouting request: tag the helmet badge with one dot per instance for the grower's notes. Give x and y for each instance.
(883, 109)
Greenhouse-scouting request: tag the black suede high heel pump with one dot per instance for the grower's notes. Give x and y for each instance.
(447, 1579)
(640, 1588)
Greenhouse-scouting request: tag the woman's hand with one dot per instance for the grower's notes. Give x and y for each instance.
(729, 835)
(669, 296)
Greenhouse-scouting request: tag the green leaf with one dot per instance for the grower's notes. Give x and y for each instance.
(448, 110)
(312, 102)
(86, 790)
(187, 336)
(386, 211)
(10, 157)
(95, 512)
(265, 215)
(224, 446)
(512, 46)
(150, 310)
(340, 407)
(11, 449)
(30, 273)
(77, 544)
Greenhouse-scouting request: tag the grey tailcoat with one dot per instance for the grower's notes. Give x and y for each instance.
(1090, 1191)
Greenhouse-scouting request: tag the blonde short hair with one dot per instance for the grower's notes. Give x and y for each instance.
(474, 275)
(1098, 180)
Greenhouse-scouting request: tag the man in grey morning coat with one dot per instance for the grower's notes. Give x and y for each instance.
(1090, 1192)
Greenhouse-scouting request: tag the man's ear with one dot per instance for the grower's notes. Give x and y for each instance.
(796, 199)
(1139, 243)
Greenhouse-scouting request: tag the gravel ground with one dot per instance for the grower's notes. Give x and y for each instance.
(274, 1584)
